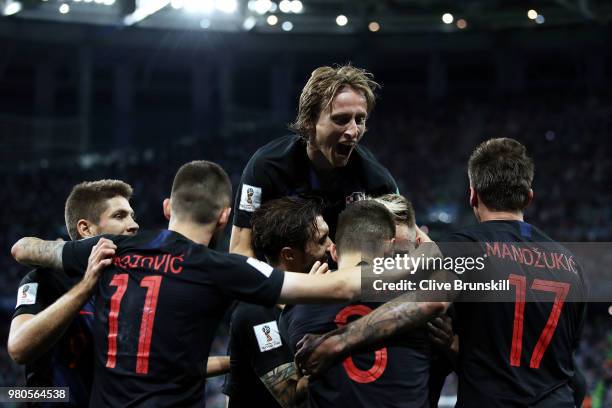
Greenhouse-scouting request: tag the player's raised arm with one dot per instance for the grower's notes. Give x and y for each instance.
(31, 336)
(33, 251)
(340, 286)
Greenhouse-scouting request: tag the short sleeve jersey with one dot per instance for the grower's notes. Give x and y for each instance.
(282, 168)
(256, 348)
(157, 308)
(392, 374)
(69, 363)
(515, 353)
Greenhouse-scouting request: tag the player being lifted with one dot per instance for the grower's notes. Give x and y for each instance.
(159, 304)
(322, 158)
(291, 233)
(513, 354)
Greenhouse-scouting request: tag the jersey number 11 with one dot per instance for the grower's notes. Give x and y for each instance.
(152, 283)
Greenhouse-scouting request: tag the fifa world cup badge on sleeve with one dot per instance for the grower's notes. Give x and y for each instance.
(250, 198)
(268, 337)
(27, 294)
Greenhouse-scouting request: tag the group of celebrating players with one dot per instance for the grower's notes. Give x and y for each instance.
(126, 317)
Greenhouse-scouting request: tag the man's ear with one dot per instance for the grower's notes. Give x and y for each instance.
(333, 250)
(473, 198)
(224, 217)
(287, 255)
(529, 197)
(166, 208)
(86, 228)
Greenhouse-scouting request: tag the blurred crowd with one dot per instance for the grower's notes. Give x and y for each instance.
(426, 151)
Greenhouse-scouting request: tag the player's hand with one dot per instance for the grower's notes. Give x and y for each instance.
(101, 256)
(315, 353)
(319, 268)
(441, 331)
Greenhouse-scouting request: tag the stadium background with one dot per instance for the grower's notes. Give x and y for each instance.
(132, 89)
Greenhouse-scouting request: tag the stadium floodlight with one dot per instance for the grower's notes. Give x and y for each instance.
(447, 18)
(261, 7)
(249, 23)
(227, 6)
(540, 19)
(12, 7)
(272, 20)
(64, 8)
(374, 26)
(144, 10)
(532, 14)
(273, 7)
(285, 6)
(296, 6)
(341, 20)
(461, 24)
(287, 26)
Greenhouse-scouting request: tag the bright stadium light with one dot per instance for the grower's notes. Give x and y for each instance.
(144, 11)
(273, 7)
(540, 19)
(447, 18)
(374, 26)
(261, 7)
(296, 6)
(287, 26)
(249, 23)
(532, 14)
(285, 6)
(341, 20)
(461, 24)
(227, 6)
(12, 7)
(64, 8)
(272, 20)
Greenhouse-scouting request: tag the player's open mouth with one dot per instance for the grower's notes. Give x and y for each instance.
(344, 149)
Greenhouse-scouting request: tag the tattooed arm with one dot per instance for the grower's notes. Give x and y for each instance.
(285, 385)
(36, 252)
(317, 352)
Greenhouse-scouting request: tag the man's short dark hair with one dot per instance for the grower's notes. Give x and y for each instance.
(501, 173)
(201, 189)
(284, 222)
(364, 226)
(87, 201)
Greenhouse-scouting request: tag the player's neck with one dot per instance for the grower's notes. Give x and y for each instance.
(198, 233)
(318, 160)
(484, 214)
